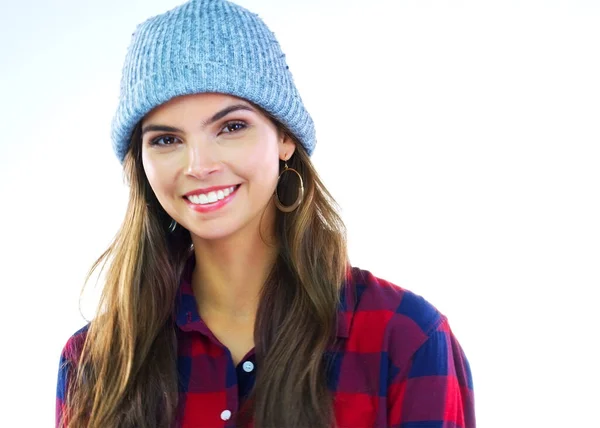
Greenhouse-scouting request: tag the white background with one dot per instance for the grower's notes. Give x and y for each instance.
(461, 139)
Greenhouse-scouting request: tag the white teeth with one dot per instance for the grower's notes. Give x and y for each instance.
(211, 197)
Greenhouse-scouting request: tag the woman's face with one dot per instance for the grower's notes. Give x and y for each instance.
(213, 162)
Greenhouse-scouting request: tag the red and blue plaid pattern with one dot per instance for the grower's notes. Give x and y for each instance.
(399, 365)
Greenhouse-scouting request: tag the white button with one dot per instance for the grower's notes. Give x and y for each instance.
(248, 366)
(225, 415)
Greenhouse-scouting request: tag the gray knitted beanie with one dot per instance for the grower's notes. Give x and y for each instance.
(207, 46)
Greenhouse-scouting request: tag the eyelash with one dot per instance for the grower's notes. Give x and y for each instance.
(154, 142)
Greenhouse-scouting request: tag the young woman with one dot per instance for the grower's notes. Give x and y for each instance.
(229, 298)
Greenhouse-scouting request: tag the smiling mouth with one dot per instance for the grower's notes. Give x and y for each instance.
(212, 197)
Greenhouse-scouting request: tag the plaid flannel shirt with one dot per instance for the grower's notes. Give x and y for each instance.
(399, 364)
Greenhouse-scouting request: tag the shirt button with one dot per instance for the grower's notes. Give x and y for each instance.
(248, 366)
(225, 415)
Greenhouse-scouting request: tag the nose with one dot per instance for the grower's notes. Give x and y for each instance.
(202, 160)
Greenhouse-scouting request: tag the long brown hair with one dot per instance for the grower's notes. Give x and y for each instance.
(127, 373)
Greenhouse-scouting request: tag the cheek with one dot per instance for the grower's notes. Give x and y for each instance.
(261, 162)
(156, 175)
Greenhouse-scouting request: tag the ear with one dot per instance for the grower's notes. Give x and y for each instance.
(287, 146)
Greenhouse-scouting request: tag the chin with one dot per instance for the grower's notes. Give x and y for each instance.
(213, 232)
(211, 235)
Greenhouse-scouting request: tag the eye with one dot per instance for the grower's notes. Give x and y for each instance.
(168, 140)
(234, 126)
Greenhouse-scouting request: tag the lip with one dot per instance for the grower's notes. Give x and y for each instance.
(209, 189)
(214, 206)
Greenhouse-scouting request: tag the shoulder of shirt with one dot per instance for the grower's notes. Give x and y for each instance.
(72, 349)
(405, 316)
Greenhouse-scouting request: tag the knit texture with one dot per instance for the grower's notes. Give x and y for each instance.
(207, 46)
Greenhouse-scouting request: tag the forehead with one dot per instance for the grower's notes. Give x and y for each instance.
(194, 104)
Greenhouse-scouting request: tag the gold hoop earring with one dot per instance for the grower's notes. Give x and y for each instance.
(296, 204)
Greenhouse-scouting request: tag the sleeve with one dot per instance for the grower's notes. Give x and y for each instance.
(64, 371)
(434, 389)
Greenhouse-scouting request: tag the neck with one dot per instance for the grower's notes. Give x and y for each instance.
(230, 273)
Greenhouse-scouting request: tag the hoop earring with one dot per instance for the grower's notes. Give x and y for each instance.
(289, 208)
(172, 226)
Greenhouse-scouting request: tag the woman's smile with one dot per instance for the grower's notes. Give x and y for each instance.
(212, 199)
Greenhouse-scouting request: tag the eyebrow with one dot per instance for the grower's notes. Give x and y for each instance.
(217, 116)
